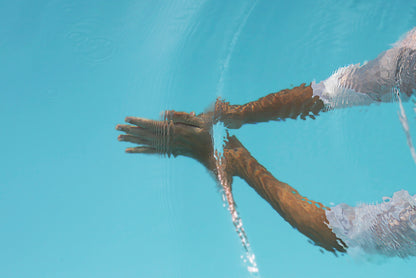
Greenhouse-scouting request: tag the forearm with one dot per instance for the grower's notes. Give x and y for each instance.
(303, 214)
(288, 103)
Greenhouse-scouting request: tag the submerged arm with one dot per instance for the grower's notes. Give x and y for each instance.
(349, 86)
(285, 104)
(189, 135)
(303, 214)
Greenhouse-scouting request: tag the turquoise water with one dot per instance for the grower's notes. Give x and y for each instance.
(73, 204)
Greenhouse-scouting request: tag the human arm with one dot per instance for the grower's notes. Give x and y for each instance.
(189, 135)
(285, 104)
(305, 215)
(353, 85)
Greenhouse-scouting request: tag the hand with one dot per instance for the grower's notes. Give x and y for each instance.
(179, 133)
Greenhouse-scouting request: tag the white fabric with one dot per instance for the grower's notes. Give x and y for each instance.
(387, 228)
(334, 95)
(373, 81)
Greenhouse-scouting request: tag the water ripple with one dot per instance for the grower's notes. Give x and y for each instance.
(90, 47)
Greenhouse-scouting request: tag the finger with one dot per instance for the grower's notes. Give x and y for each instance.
(141, 150)
(134, 130)
(141, 122)
(134, 139)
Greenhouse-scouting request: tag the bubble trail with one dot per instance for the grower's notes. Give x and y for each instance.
(405, 125)
(249, 258)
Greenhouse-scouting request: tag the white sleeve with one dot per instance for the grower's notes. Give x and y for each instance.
(388, 228)
(373, 81)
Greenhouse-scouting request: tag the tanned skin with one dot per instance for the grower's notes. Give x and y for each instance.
(190, 135)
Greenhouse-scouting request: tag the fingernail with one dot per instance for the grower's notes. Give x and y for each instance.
(118, 127)
(120, 138)
(127, 120)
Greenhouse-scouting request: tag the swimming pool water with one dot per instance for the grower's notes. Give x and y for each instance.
(73, 204)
